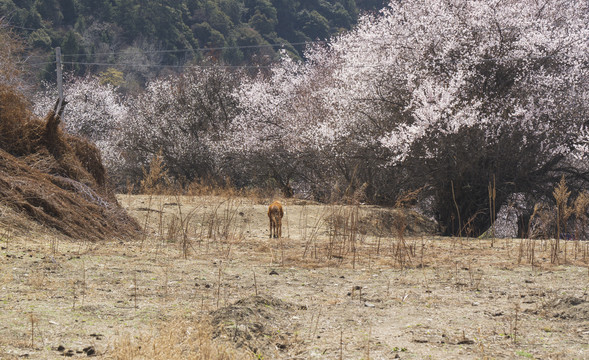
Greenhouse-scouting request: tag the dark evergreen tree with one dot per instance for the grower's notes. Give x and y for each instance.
(165, 32)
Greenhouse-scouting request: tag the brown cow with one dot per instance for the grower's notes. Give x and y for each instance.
(275, 213)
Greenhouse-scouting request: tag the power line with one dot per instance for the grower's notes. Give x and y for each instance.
(137, 64)
(258, 46)
(193, 50)
(492, 59)
(149, 65)
(22, 28)
(206, 49)
(41, 63)
(160, 65)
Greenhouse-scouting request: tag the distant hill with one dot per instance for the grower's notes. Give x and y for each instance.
(141, 38)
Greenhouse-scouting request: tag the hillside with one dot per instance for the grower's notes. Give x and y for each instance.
(149, 35)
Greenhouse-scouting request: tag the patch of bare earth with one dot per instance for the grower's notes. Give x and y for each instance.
(206, 279)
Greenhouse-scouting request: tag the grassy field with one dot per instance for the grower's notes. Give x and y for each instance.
(204, 281)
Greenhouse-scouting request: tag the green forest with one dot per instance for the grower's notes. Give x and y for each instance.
(142, 38)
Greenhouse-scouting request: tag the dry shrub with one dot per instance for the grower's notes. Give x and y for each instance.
(408, 198)
(155, 180)
(12, 49)
(400, 221)
(16, 122)
(561, 221)
(178, 339)
(55, 178)
(212, 187)
(542, 222)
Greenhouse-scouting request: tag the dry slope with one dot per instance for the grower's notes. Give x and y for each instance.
(54, 178)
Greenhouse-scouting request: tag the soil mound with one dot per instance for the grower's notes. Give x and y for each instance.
(55, 178)
(262, 324)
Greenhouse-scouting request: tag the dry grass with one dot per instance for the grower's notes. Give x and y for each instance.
(238, 294)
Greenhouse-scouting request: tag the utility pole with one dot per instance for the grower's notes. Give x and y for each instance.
(59, 78)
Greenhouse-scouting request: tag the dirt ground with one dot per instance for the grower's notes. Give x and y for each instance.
(340, 284)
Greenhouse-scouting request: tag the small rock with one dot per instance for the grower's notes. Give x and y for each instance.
(90, 351)
(273, 272)
(465, 341)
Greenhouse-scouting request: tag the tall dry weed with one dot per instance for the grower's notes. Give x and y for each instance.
(343, 224)
(310, 238)
(402, 251)
(581, 205)
(492, 207)
(561, 195)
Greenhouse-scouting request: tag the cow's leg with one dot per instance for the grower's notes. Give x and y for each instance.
(270, 227)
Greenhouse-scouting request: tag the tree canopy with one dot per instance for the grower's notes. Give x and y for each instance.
(95, 32)
(456, 98)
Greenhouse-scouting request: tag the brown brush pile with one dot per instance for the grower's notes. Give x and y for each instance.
(54, 178)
